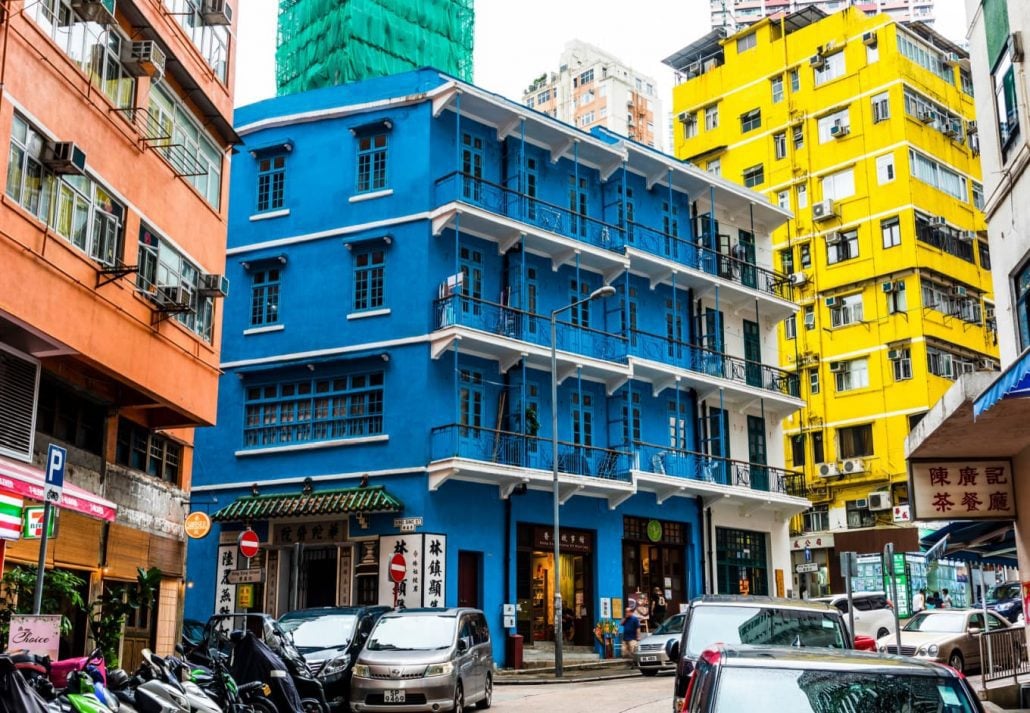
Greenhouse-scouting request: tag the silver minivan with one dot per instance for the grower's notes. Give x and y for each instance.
(425, 660)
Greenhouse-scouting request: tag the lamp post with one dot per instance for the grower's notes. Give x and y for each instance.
(606, 291)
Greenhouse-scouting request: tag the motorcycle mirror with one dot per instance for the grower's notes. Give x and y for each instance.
(180, 650)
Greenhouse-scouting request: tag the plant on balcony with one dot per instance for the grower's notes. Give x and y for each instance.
(531, 422)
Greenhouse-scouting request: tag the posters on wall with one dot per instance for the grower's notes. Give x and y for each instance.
(225, 593)
(413, 570)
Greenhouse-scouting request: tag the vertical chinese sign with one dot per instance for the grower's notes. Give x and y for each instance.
(412, 570)
(225, 593)
(962, 490)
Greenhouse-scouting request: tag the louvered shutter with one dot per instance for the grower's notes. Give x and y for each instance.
(19, 380)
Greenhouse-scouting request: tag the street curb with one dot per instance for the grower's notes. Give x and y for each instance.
(554, 681)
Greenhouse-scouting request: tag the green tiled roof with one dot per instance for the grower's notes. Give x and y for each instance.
(327, 502)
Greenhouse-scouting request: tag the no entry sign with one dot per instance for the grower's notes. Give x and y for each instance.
(249, 543)
(398, 567)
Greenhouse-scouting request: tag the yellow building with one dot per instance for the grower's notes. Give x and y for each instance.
(865, 129)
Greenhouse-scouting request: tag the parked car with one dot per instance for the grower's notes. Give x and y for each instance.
(1006, 599)
(739, 619)
(774, 680)
(650, 656)
(425, 660)
(874, 615)
(945, 635)
(330, 638)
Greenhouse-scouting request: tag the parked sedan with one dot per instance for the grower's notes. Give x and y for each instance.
(1007, 600)
(650, 656)
(948, 636)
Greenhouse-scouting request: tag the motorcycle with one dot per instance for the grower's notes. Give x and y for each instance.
(85, 691)
(219, 684)
(252, 660)
(16, 695)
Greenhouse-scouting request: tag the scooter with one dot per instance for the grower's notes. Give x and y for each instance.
(155, 670)
(219, 684)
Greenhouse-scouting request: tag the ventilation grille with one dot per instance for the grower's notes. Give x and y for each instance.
(17, 402)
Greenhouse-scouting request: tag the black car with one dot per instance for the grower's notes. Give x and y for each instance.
(330, 639)
(761, 679)
(1006, 599)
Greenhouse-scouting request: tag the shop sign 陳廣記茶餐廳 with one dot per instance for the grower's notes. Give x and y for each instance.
(962, 490)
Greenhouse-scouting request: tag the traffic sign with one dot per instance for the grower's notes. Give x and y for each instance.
(249, 543)
(56, 457)
(255, 575)
(398, 567)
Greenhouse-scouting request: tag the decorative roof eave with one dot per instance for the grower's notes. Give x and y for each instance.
(348, 501)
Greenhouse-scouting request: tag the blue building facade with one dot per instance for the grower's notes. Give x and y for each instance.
(397, 248)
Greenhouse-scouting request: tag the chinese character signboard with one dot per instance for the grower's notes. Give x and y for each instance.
(413, 570)
(962, 490)
(812, 542)
(225, 592)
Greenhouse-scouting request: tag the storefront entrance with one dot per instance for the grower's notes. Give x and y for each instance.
(535, 584)
(742, 564)
(653, 557)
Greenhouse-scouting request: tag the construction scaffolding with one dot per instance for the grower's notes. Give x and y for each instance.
(323, 43)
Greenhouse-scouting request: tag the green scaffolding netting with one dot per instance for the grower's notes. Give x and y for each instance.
(328, 42)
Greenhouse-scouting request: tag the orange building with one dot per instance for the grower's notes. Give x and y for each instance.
(118, 120)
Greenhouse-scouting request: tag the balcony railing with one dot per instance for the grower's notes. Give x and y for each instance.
(528, 327)
(524, 451)
(712, 363)
(665, 460)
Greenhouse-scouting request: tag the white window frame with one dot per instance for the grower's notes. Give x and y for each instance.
(848, 313)
(825, 123)
(832, 68)
(838, 186)
(854, 376)
(881, 107)
(711, 117)
(885, 172)
(187, 136)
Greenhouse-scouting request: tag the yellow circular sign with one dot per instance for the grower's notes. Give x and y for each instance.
(198, 524)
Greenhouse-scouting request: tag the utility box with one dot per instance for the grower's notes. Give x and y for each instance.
(513, 651)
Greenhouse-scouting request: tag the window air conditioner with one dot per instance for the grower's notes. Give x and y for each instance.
(967, 236)
(869, 39)
(65, 157)
(817, 61)
(958, 291)
(927, 117)
(833, 237)
(798, 279)
(213, 286)
(832, 302)
(971, 127)
(839, 130)
(838, 366)
(826, 470)
(985, 364)
(217, 12)
(143, 59)
(852, 465)
(887, 286)
(823, 210)
(879, 501)
(99, 11)
(172, 297)
(861, 504)
(953, 58)
(938, 220)
(894, 354)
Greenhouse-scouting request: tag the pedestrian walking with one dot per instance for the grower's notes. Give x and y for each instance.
(630, 632)
(945, 599)
(658, 607)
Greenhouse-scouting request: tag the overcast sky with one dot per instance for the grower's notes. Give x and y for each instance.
(517, 41)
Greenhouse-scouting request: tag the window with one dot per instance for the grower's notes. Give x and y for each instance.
(264, 297)
(189, 150)
(1006, 101)
(799, 136)
(881, 107)
(985, 254)
(777, 89)
(978, 195)
(162, 267)
(805, 251)
(797, 450)
(746, 42)
(86, 214)
(925, 56)
(846, 310)
(838, 186)
(787, 261)
(890, 229)
(855, 441)
(937, 175)
(901, 363)
(544, 96)
(795, 80)
(780, 144)
(630, 418)
(582, 420)
(872, 54)
(750, 120)
(838, 120)
(148, 452)
(790, 327)
(783, 199)
(851, 375)
(714, 166)
(754, 176)
(61, 411)
(802, 191)
(859, 514)
(711, 117)
(936, 232)
(945, 364)
(832, 67)
(914, 419)
(369, 272)
(372, 162)
(809, 311)
(678, 420)
(211, 40)
(817, 519)
(314, 410)
(586, 77)
(818, 456)
(470, 401)
(885, 169)
(813, 386)
(271, 183)
(690, 125)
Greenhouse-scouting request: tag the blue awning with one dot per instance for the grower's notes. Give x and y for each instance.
(1013, 383)
(983, 542)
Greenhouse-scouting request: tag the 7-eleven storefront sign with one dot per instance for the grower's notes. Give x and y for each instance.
(11, 508)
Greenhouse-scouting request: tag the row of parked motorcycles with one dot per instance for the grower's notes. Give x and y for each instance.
(251, 678)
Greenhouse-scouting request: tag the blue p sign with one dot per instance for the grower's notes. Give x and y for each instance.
(55, 460)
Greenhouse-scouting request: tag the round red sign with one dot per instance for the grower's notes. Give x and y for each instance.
(398, 567)
(249, 543)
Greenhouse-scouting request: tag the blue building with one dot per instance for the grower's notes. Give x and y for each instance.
(397, 248)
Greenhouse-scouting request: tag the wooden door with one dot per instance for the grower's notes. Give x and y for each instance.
(469, 579)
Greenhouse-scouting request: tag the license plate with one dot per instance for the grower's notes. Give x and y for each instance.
(393, 696)
(648, 659)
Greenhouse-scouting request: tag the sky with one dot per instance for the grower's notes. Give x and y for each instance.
(517, 41)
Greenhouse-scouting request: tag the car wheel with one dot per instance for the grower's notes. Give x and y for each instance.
(649, 671)
(882, 632)
(488, 694)
(956, 662)
(459, 699)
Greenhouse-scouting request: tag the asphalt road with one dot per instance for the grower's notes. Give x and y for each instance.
(640, 695)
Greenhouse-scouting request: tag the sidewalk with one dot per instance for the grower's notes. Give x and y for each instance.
(600, 671)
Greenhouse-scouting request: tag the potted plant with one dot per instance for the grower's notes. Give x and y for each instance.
(532, 422)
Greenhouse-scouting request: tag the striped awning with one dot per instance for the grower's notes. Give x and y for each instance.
(367, 500)
(1013, 383)
(11, 510)
(24, 480)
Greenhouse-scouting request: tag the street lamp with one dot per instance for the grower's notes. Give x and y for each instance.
(606, 291)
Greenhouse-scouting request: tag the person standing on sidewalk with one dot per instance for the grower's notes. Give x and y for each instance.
(630, 632)
(658, 607)
(919, 601)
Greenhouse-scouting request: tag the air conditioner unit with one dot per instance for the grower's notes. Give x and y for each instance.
(967, 236)
(838, 366)
(879, 501)
(798, 279)
(852, 465)
(927, 117)
(817, 61)
(171, 297)
(217, 12)
(953, 58)
(869, 39)
(213, 286)
(958, 291)
(833, 237)
(65, 157)
(826, 470)
(971, 127)
(895, 354)
(823, 210)
(986, 364)
(887, 286)
(989, 312)
(839, 130)
(693, 69)
(99, 11)
(143, 58)
(938, 220)
(833, 302)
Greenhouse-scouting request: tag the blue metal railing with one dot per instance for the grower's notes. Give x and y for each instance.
(528, 327)
(524, 451)
(680, 463)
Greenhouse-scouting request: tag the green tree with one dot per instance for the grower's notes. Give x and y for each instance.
(109, 612)
(61, 588)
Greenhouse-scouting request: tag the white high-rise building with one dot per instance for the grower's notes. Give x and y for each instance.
(736, 14)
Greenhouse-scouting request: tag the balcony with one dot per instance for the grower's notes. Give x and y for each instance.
(508, 460)
(506, 335)
(668, 363)
(670, 472)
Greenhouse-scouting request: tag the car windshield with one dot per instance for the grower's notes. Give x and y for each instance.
(321, 632)
(673, 625)
(938, 623)
(1003, 591)
(415, 632)
(711, 624)
(800, 691)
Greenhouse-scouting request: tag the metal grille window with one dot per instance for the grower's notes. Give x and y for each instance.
(149, 452)
(271, 183)
(184, 144)
(369, 279)
(162, 267)
(323, 409)
(859, 514)
(841, 246)
(372, 154)
(264, 300)
(936, 232)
